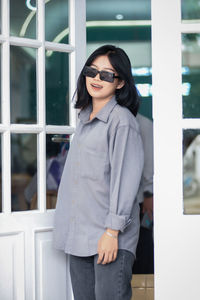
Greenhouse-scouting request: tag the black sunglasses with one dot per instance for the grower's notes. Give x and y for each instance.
(104, 75)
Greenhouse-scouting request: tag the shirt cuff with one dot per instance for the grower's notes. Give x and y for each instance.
(117, 222)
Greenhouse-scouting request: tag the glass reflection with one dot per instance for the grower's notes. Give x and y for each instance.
(23, 18)
(56, 21)
(24, 168)
(57, 88)
(57, 147)
(190, 10)
(191, 171)
(23, 84)
(191, 75)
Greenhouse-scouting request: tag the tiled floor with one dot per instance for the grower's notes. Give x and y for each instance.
(143, 287)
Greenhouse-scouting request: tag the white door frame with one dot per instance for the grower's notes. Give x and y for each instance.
(176, 235)
(25, 236)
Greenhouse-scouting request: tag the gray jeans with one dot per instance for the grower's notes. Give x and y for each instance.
(102, 282)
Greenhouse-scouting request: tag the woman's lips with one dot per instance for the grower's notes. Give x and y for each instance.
(96, 87)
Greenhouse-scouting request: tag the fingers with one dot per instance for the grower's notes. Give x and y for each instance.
(114, 255)
(100, 257)
(107, 257)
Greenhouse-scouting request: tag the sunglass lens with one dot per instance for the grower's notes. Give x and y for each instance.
(90, 72)
(106, 76)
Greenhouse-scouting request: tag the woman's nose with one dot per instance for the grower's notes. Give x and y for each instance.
(97, 76)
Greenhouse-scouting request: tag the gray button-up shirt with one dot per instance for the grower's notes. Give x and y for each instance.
(100, 182)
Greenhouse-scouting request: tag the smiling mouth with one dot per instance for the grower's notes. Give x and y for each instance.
(96, 86)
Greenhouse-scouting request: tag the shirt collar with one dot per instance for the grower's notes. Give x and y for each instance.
(102, 115)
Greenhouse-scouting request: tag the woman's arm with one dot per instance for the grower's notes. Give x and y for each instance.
(126, 159)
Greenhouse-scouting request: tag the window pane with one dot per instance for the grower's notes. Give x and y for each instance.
(125, 24)
(57, 88)
(190, 10)
(191, 171)
(56, 21)
(24, 168)
(191, 75)
(57, 147)
(118, 10)
(23, 18)
(23, 84)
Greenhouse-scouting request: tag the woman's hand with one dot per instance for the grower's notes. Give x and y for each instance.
(108, 247)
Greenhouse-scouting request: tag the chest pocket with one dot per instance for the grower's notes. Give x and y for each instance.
(94, 164)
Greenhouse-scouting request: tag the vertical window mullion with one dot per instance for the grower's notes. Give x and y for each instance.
(6, 172)
(5, 69)
(41, 150)
(77, 37)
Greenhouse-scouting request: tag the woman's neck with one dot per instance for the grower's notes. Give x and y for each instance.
(97, 105)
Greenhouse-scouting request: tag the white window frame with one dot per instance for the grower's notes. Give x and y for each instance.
(175, 234)
(77, 53)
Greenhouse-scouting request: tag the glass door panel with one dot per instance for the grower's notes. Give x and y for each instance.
(57, 88)
(24, 170)
(23, 16)
(23, 85)
(56, 21)
(191, 75)
(191, 171)
(29, 38)
(57, 146)
(190, 10)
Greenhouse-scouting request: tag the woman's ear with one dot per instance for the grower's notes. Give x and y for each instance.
(120, 84)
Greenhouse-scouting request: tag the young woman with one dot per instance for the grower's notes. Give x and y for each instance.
(97, 216)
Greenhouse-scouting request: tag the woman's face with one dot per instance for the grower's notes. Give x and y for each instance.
(100, 89)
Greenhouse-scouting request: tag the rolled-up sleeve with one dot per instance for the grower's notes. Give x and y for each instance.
(126, 160)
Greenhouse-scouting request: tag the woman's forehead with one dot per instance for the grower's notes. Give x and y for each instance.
(102, 62)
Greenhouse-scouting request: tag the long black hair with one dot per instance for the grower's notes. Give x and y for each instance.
(127, 95)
